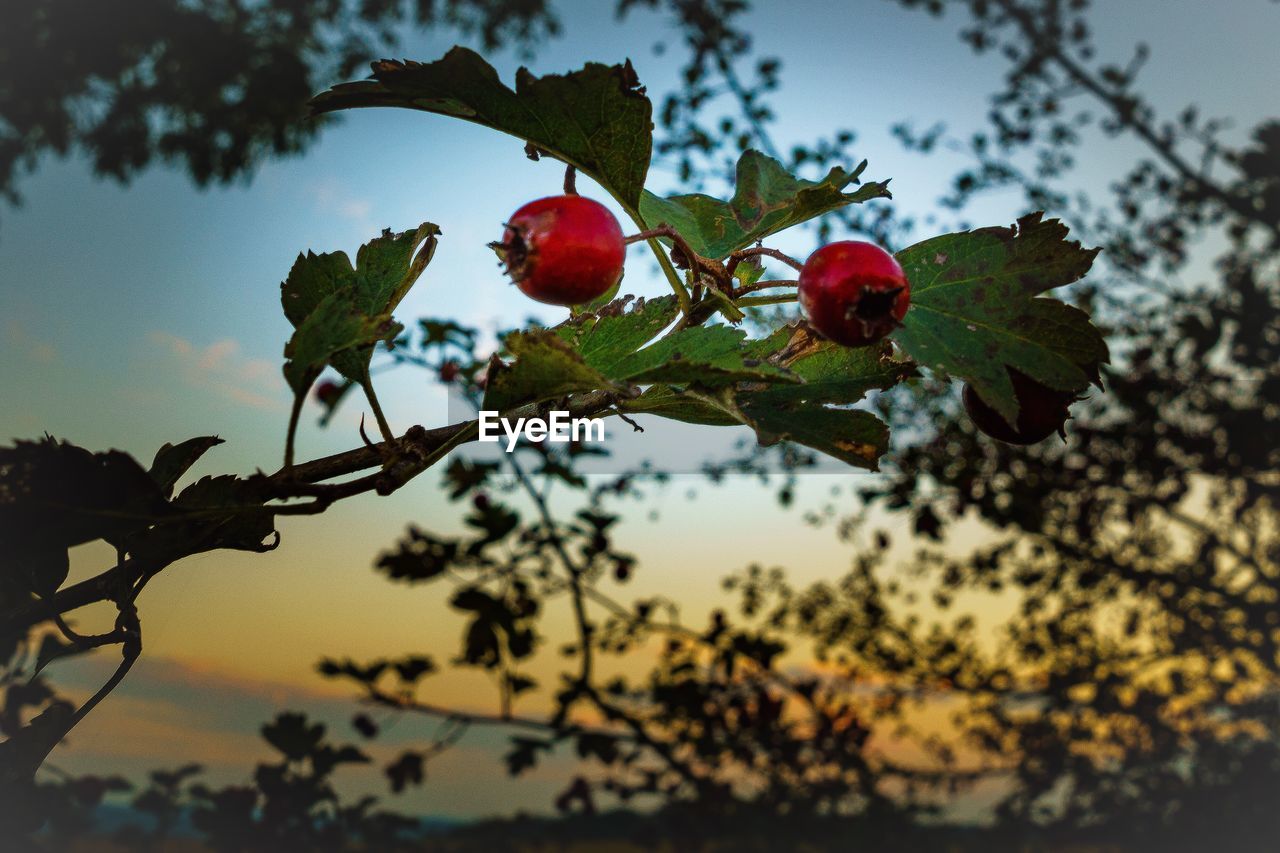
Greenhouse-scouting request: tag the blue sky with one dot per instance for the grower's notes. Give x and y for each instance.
(132, 316)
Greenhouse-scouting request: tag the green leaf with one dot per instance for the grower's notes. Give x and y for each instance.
(614, 333)
(766, 199)
(975, 309)
(596, 119)
(822, 375)
(174, 460)
(706, 355)
(335, 326)
(850, 435)
(340, 311)
(545, 367)
(831, 374)
(387, 266)
(666, 402)
(600, 302)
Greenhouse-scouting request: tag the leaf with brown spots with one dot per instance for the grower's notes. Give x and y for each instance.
(976, 309)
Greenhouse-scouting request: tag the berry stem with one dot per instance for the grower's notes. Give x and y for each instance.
(764, 285)
(743, 254)
(570, 180)
(383, 427)
(651, 236)
(295, 414)
(780, 299)
(671, 234)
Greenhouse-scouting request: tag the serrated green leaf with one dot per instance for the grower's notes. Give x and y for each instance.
(975, 309)
(597, 119)
(822, 375)
(339, 311)
(601, 301)
(832, 374)
(666, 402)
(766, 199)
(174, 460)
(612, 335)
(851, 435)
(748, 272)
(388, 265)
(335, 326)
(705, 355)
(545, 367)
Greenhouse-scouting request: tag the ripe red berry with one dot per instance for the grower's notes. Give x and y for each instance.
(1042, 411)
(563, 250)
(448, 372)
(853, 293)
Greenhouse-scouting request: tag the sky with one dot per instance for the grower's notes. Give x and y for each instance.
(134, 316)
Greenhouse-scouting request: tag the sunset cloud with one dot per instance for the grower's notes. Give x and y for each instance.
(223, 368)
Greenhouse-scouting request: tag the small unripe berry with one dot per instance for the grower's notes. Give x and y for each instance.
(563, 250)
(853, 293)
(1042, 411)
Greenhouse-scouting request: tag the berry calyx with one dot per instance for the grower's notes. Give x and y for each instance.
(1042, 411)
(563, 250)
(853, 293)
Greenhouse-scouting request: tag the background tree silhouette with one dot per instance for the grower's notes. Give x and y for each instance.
(213, 85)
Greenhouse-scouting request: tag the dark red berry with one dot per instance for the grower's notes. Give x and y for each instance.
(328, 392)
(853, 293)
(1042, 411)
(563, 250)
(448, 372)
(480, 501)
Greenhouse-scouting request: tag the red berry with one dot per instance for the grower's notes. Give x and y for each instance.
(853, 293)
(563, 250)
(328, 392)
(1042, 411)
(448, 372)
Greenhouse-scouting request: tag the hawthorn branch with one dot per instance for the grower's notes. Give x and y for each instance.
(412, 454)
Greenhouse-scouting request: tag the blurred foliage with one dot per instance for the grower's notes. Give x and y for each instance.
(213, 85)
